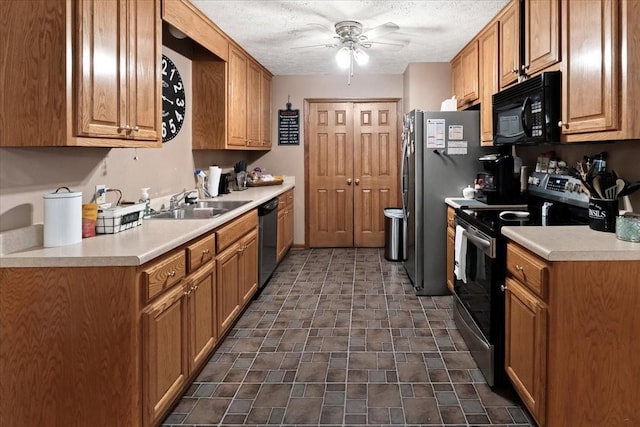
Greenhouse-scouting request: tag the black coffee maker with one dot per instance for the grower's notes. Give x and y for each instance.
(497, 185)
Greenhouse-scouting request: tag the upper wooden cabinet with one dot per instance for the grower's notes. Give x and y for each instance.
(465, 75)
(97, 84)
(489, 80)
(248, 85)
(509, 21)
(539, 35)
(599, 70)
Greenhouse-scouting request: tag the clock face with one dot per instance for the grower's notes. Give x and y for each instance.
(173, 100)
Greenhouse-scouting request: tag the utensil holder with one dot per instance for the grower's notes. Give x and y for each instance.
(602, 214)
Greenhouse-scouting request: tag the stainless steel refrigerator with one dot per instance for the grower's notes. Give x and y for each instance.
(440, 153)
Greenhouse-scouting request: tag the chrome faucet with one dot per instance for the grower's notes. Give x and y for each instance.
(174, 201)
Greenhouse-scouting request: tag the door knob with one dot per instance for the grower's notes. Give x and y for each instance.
(349, 181)
(357, 181)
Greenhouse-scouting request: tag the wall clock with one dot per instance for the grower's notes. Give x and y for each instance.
(173, 100)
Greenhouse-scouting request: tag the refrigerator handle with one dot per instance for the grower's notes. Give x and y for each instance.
(403, 177)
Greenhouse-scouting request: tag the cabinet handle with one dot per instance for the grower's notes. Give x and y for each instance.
(503, 288)
(349, 181)
(519, 267)
(135, 129)
(357, 181)
(172, 273)
(514, 71)
(205, 252)
(562, 124)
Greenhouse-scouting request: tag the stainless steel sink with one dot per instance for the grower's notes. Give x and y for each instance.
(200, 210)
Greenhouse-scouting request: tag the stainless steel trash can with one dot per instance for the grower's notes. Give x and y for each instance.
(393, 234)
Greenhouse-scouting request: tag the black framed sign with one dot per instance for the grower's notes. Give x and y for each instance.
(288, 126)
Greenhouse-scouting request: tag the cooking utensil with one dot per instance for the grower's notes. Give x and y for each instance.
(595, 183)
(628, 189)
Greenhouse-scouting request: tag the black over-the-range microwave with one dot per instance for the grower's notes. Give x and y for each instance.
(529, 112)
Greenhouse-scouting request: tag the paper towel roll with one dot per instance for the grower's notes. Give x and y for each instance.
(213, 180)
(62, 218)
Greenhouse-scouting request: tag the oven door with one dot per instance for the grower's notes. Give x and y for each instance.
(474, 307)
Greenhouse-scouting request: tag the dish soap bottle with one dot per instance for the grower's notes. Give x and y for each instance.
(144, 198)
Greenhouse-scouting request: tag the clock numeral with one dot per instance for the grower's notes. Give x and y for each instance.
(179, 116)
(177, 87)
(180, 102)
(172, 126)
(164, 67)
(164, 130)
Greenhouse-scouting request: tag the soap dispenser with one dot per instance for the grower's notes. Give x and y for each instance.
(144, 198)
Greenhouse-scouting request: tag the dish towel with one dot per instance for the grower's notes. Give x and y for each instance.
(460, 255)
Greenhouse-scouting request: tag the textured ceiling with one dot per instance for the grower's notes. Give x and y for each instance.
(272, 30)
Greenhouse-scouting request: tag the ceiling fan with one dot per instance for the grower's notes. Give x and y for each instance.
(352, 40)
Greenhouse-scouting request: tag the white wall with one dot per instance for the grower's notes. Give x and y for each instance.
(426, 85)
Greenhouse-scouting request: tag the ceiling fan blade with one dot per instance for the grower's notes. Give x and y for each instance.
(381, 30)
(331, 45)
(398, 45)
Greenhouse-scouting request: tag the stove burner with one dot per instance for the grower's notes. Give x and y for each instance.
(513, 215)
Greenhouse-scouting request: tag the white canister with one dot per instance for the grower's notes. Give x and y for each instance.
(62, 217)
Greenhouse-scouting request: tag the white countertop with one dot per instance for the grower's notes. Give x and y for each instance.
(461, 202)
(138, 245)
(573, 243)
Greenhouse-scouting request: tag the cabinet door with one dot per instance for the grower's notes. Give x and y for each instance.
(509, 44)
(143, 83)
(489, 78)
(457, 81)
(591, 61)
(470, 72)
(288, 223)
(237, 98)
(541, 35)
(265, 110)
(203, 332)
(450, 256)
(526, 346)
(164, 343)
(253, 104)
(281, 244)
(249, 268)
(228, 265)
(101, 63)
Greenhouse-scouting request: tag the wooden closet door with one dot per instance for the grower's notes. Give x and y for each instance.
(330, 174)
(375, 156)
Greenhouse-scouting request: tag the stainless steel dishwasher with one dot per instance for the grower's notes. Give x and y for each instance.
(267, 240)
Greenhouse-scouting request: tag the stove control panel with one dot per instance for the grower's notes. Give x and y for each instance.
(561, 188)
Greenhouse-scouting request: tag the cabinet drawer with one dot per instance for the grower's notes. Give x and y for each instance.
(162, 274)
(228, 234)
(200, 252)
(528, 268)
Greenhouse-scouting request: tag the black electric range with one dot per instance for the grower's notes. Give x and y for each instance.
(480, 262)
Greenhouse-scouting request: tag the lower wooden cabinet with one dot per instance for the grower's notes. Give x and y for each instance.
(451, 235)
(571, 347)
(526, 346)
(179, 331)
(237, 266)
(285, 224)
(164, 343)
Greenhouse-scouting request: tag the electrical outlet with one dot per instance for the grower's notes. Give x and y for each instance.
(101, 194)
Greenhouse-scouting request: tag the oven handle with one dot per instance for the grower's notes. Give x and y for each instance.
(485, 246)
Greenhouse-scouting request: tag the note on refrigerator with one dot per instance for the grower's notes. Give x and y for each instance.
(458, 148)
(435, 133)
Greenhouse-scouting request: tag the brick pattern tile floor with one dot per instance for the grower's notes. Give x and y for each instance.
(339, 338)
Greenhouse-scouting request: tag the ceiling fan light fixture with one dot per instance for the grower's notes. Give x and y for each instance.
(343, 57)
(361, 56)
